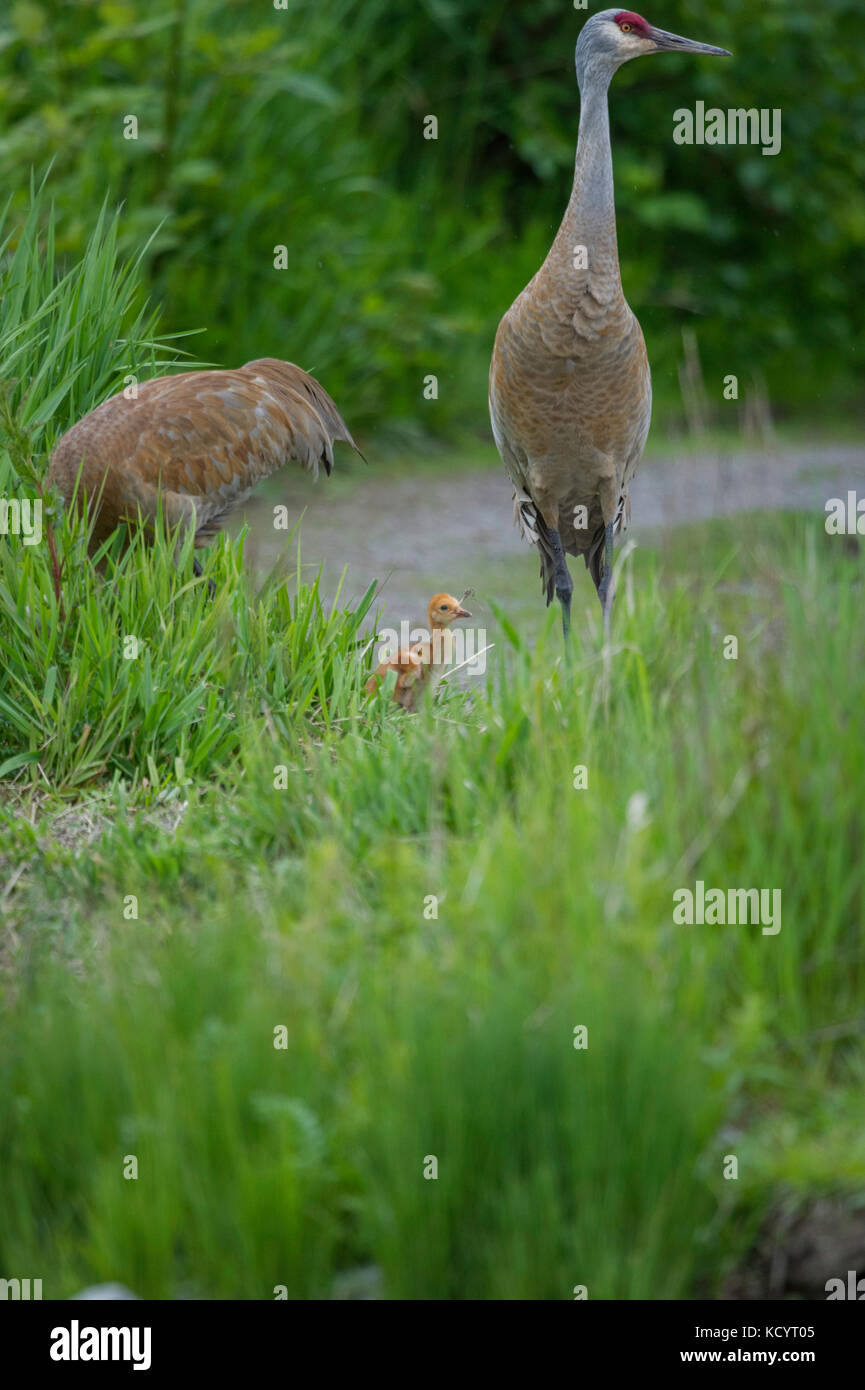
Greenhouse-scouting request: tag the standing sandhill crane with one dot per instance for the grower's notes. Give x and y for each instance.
(570, 388)
(196, 444)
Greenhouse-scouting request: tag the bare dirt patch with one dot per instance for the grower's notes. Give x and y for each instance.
(797, 1254)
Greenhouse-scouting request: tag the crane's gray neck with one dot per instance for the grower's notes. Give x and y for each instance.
(590, 218)
(591, 210)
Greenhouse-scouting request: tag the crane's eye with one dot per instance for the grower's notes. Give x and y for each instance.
(625, 28)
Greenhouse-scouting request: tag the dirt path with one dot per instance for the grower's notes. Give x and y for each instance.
(454, 530)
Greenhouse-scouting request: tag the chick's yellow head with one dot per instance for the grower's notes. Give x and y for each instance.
(444, 609)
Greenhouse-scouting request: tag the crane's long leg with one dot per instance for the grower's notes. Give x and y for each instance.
(605, 588)
(198, 572)
(564, 582)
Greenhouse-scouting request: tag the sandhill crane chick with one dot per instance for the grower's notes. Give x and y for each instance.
(420, 667)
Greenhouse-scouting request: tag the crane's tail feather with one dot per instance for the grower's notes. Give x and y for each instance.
(545, 551)
(594, 556)
(534, 529)
(309, 393)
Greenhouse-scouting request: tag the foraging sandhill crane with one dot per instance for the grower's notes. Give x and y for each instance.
(570, 388)
(422, 664)
(196, 444)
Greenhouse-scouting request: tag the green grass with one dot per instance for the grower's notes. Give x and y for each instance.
(69, 337)
(218, 838)
(137, 673)
(411, 1035)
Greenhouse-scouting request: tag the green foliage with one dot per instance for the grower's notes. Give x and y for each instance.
(301, 127)
(67, 337)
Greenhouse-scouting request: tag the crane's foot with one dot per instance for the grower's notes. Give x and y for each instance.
(198, 572)
(564, 583)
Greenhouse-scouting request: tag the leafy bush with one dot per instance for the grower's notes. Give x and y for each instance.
(300, 127)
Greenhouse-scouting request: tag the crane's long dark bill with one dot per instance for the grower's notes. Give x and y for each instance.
(674, 43)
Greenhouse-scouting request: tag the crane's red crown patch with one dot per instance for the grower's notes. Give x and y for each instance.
(636, 21)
